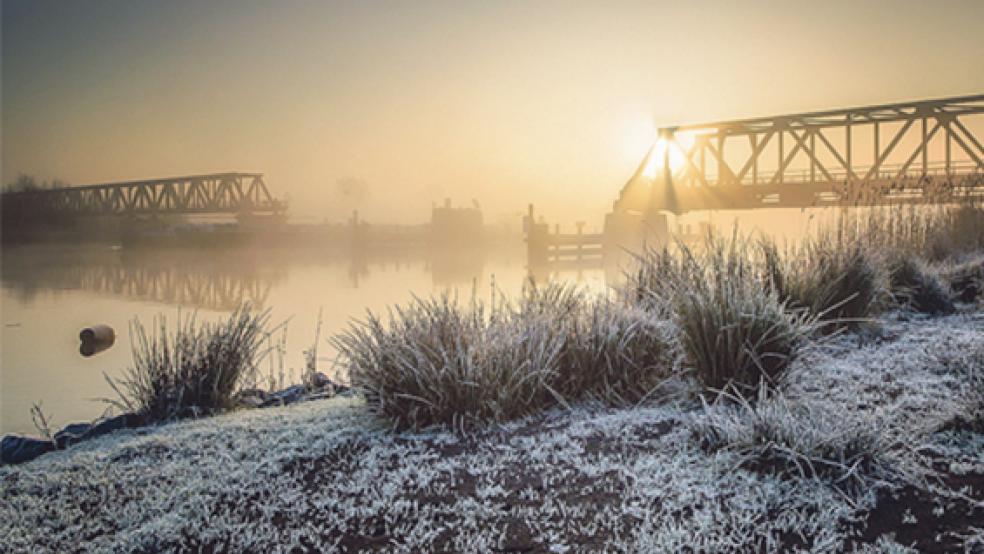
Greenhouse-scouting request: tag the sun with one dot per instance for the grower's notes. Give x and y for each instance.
(674, 149)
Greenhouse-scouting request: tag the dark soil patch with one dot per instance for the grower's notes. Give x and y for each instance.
(925, 521)
(961, 424)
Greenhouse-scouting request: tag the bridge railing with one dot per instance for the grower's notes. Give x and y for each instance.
(883, 172)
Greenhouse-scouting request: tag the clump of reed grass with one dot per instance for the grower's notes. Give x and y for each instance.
(735, 330)
(193, 370)
(441, 361)
(918, 287)
(789, 437)
(656, 274)
(833, 276)
(966, 279)
(618, 354)
(935, 232)
(956, 231)
(438, 361)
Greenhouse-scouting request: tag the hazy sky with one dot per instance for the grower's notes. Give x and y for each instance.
(505, 102)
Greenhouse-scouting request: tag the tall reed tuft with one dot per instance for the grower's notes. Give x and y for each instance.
(441, 361)
(918, 287)
(618, 354)
(735, 330)
(966, 279)
(933, 232)
(193, 370)
(833, 276)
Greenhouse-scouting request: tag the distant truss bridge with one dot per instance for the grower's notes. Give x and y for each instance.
(912, 152)
(219, 193)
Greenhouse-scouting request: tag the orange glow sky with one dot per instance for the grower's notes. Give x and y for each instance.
(506, 102)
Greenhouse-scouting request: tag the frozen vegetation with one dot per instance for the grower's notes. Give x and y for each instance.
(803, 469)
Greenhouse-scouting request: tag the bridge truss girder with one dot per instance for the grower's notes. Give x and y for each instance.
(706, 177)
(223, 193)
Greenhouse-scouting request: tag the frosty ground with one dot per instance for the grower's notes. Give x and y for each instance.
(328, 475)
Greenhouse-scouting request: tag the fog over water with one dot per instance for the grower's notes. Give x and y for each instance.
(50, 293)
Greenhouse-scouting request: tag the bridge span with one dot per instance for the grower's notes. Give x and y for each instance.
(911, 152)
(218, 193)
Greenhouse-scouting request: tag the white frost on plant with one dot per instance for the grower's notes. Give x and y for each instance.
(317, 474)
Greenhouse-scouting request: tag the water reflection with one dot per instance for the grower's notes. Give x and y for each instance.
(201, 280)
(50, 293)
(221, 281)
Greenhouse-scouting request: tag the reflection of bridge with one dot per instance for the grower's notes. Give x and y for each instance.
(222, 193)
(193, 281)
(166, 285)
(897, 153)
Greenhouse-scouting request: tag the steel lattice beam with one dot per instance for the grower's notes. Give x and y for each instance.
(229, 193)
(812, 159)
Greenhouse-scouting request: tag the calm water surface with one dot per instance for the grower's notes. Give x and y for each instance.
(49, 294)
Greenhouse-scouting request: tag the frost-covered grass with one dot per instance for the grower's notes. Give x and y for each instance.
(966, 278)
(619, 355)
(856, 415)
(936, 232)
(440, 360)
(328, 475)
(192, 370)
(443, 361)
(915, 285)
(834, 276)
(735, 330)
(286, 479)
(736, 312)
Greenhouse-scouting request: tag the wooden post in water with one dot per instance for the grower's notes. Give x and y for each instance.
(358, 233)
(537, 238)
(580, 240)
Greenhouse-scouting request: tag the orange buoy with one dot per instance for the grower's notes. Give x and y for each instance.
(96, 339)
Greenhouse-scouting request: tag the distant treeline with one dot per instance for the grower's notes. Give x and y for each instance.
(26, 183)
(23, 220)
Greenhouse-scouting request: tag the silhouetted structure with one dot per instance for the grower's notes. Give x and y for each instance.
(452, 226)
(220, 193)
(750, 163)
(556, 250)
(805, 160)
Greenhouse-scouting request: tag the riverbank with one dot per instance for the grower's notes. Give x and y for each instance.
(329, 475)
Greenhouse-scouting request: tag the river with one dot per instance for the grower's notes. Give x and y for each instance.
(50, 293)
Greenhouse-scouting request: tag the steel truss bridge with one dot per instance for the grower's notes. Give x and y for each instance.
(219, 193)
(914, 152)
